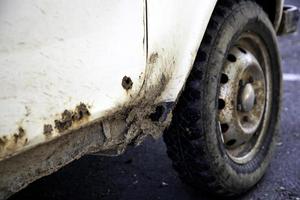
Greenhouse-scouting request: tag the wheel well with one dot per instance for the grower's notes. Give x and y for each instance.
(273, 9)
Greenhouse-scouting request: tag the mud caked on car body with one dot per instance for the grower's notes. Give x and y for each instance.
(93, 77)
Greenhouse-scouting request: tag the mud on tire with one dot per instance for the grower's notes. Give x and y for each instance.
(193, 140)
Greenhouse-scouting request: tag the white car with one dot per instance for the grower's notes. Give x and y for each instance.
(84, 77)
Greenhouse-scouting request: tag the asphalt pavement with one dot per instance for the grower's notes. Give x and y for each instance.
(145, 172)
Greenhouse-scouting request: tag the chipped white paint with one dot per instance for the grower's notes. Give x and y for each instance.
(55, 54)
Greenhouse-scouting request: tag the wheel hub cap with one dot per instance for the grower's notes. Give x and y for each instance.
(242, 98)
(247, 97)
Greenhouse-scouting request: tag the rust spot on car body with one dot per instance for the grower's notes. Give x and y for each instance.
(19, 135)
(81, 111)
(3, 141)
(153, 58)
(8, 144)
(133, 123)
(48, 129)
(65, 122)
(127, 83)
(69, 117)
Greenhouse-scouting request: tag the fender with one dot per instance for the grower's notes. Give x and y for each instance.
(274, 10)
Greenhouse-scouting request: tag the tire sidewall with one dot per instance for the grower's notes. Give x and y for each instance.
(233, 175)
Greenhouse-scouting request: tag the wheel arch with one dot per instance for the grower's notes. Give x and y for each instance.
(273, 9)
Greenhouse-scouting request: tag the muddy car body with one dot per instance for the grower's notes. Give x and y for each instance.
(92, 77)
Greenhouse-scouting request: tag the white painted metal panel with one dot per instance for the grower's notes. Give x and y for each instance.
(55, 54)
(175, 30)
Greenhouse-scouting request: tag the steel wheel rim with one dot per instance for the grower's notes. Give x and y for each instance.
(245, 98)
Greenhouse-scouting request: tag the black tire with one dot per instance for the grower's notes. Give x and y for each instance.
(193, 139)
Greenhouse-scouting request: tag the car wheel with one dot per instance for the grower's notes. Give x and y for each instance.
(226, 121)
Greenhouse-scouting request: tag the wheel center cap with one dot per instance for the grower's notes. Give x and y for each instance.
(247, 97)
